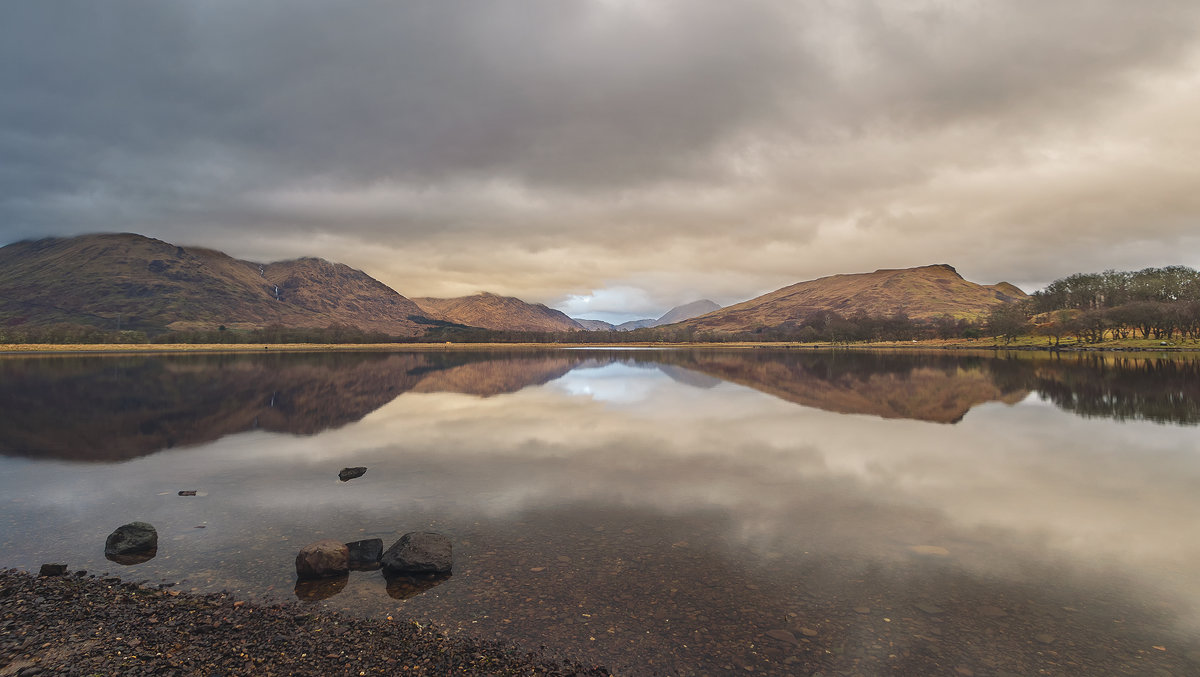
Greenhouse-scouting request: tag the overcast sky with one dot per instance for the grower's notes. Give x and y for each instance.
(613, 155)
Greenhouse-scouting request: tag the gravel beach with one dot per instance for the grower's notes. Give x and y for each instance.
(78, 625)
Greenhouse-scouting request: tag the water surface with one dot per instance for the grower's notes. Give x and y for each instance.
(692, 512)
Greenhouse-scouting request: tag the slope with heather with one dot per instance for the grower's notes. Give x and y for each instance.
(921, 293)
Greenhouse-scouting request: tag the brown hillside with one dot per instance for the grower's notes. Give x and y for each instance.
(143, 283)
(491, 311)
(922, 293)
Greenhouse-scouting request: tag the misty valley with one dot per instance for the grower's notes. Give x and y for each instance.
(661, 511)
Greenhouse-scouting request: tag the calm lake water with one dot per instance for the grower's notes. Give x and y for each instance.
(672, 512)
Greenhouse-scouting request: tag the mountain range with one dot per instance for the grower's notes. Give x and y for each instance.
(677, 314)
(128, 281)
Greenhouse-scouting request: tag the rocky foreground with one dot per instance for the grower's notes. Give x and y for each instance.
(78, 625)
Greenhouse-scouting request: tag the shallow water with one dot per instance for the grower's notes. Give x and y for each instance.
(694, 512)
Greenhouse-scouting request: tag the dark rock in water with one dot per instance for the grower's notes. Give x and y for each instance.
(188, 492)
(316, 589)
(365, 555)
(323, 559)
(405, 586)
(53, 570)
(419, 552)
(351, 473)
(132, 543)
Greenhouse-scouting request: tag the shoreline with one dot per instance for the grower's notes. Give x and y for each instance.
(81, 624)
(258, 348)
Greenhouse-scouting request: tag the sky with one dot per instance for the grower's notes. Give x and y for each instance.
(613, 158)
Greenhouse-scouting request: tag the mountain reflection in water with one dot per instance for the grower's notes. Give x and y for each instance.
(109, 408)
(665, 512)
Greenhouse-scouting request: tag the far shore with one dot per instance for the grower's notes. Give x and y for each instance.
(1021, 344)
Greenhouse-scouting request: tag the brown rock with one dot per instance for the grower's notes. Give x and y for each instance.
(323, 559)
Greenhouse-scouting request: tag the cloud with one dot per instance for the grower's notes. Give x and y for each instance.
(554, 150)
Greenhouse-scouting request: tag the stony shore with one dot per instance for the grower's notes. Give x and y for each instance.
(79, 625)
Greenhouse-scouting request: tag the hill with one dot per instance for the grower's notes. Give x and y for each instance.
(502, 313)
(595, 325)
(925, 292)
(134, 282)
(686, 312)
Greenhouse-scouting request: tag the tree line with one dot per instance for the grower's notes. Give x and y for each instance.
(1153, 303)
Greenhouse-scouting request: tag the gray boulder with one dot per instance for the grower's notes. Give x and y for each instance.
(136, 540)
(348, 474)
(419, 552)
(323, 559)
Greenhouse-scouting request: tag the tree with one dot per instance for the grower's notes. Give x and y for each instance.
(1008, 322)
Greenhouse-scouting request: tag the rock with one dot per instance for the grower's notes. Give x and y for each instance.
(931, 609)
(365, 555)
(188, 492)
(132, 543)
(53, 570)
(1044, 638)
(419, 552)
(782, 636)
(323, 559)
(862, 609)
(350, 473)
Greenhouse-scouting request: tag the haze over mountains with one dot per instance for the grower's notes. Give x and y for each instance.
(676, 314)
(127, 281)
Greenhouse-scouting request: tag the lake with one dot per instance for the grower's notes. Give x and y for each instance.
(702, 511)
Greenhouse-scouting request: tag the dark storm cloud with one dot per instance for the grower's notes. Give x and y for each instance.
(546, 148)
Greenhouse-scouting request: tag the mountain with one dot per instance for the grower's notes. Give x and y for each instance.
(676, 314)
(636, 324)
(595, 325)
(491, 311)
(686, 312)
(134, 282)
(922, 293)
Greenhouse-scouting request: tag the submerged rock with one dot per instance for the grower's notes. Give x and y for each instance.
(419, 552)
(53, 570)
(132, 543)
(350, 473)
(365, 555)
(323, 559)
